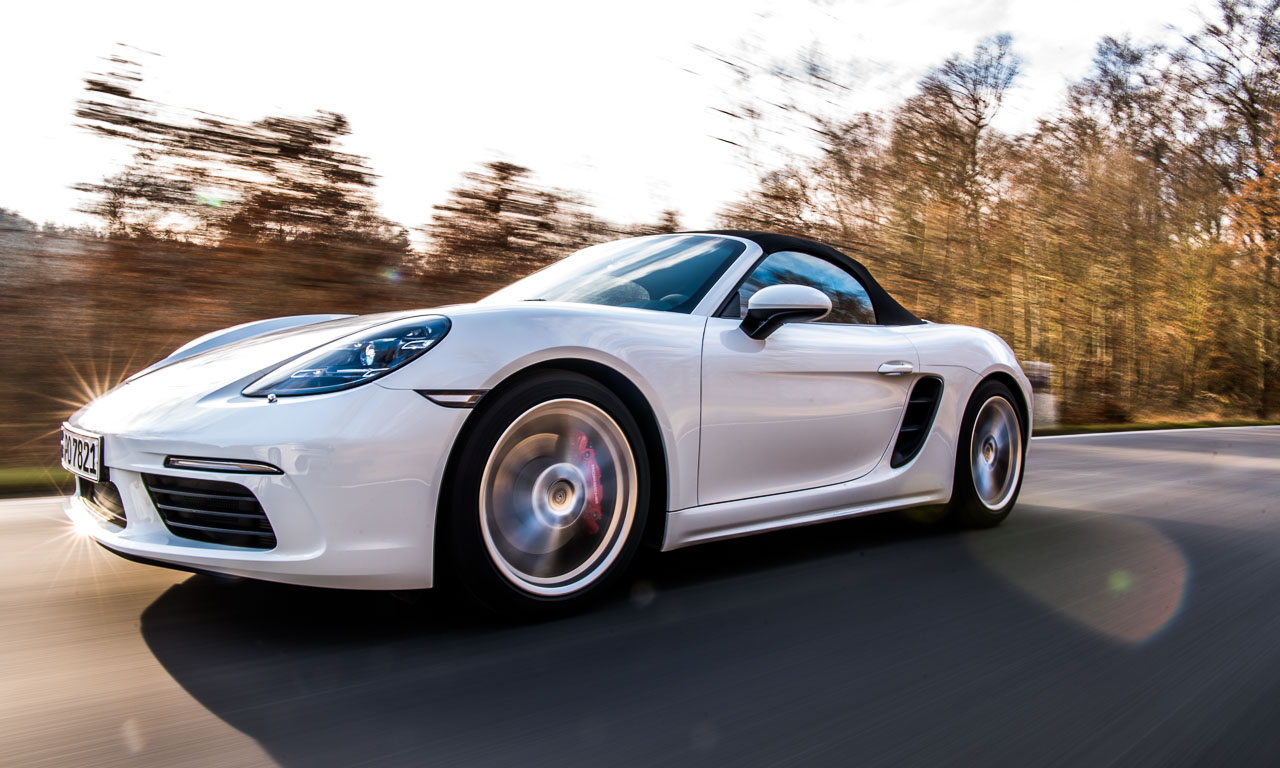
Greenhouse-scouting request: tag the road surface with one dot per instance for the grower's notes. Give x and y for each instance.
(1128, 613)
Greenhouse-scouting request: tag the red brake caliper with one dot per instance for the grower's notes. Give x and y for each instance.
(587, 463)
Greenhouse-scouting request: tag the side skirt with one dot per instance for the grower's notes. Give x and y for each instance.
(730, 519)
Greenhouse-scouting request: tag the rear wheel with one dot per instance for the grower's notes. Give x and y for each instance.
(549, 497)
(989, 459)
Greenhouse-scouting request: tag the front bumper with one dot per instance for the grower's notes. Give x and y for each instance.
(354, 508)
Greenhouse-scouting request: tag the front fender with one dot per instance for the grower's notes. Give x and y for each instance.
(224, 336)
(658, 352)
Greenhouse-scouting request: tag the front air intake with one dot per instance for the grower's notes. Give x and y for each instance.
(210, 510)
(103, 500)
(922, 406)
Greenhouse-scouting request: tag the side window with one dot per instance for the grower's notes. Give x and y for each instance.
(849, 300)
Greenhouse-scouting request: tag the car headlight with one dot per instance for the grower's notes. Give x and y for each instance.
(353, 360)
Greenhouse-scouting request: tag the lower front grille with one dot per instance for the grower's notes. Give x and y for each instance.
(103, 500)
(210, 510)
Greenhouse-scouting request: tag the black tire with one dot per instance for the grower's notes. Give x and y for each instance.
(972, 506)
(505, 547)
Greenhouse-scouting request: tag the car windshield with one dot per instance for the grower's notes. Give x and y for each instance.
(669, 273)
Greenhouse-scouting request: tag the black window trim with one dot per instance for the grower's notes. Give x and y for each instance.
(724, 305)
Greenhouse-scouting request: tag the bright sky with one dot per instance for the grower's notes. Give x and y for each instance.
(608, 98)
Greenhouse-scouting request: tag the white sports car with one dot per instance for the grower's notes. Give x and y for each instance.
(672, 389)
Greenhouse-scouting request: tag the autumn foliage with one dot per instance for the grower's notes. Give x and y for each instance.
(1132, 239)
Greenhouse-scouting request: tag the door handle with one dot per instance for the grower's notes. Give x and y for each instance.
(895, 368)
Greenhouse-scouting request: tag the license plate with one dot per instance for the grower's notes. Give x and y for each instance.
(82, 453)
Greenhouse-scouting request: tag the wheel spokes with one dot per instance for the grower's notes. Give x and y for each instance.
(995, 452)
(558, 496)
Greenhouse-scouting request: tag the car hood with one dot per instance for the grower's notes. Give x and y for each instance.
(213, 377)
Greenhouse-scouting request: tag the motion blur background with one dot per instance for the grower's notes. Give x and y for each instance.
(1099, 185)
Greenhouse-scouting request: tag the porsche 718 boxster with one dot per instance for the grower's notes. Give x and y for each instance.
(665, 390)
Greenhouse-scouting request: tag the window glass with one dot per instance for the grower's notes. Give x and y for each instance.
(849, 300)
(669, 273)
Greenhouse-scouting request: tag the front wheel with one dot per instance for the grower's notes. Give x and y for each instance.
(989, 459)
(549, 497)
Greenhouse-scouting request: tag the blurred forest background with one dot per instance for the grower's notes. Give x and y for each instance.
(1132, 239)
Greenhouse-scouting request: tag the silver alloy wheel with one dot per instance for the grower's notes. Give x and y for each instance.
(995, 453)
(558, 497)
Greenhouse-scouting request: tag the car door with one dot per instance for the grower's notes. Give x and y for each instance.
(808, 406)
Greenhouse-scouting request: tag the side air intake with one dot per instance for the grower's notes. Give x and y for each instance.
(921, 408)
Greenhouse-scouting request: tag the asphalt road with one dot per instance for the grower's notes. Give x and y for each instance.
(1128, 613)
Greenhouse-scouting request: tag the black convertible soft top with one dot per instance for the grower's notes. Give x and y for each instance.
(888, 310)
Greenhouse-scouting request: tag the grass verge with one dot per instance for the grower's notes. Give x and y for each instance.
(1085, 429)
(34, 481)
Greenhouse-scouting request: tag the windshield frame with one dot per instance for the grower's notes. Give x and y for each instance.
(706, 303)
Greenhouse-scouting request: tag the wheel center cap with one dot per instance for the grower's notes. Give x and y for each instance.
(558, 498)
(989, 450)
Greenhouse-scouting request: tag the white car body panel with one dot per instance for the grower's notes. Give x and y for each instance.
(755, 435)
(351, 509)
(813, 389)
(236, 333)
(926, 479)
(658, 352)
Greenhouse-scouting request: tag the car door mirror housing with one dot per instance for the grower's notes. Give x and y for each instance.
(769, 308)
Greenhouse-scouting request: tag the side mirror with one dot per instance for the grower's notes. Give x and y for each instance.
(770, 307)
